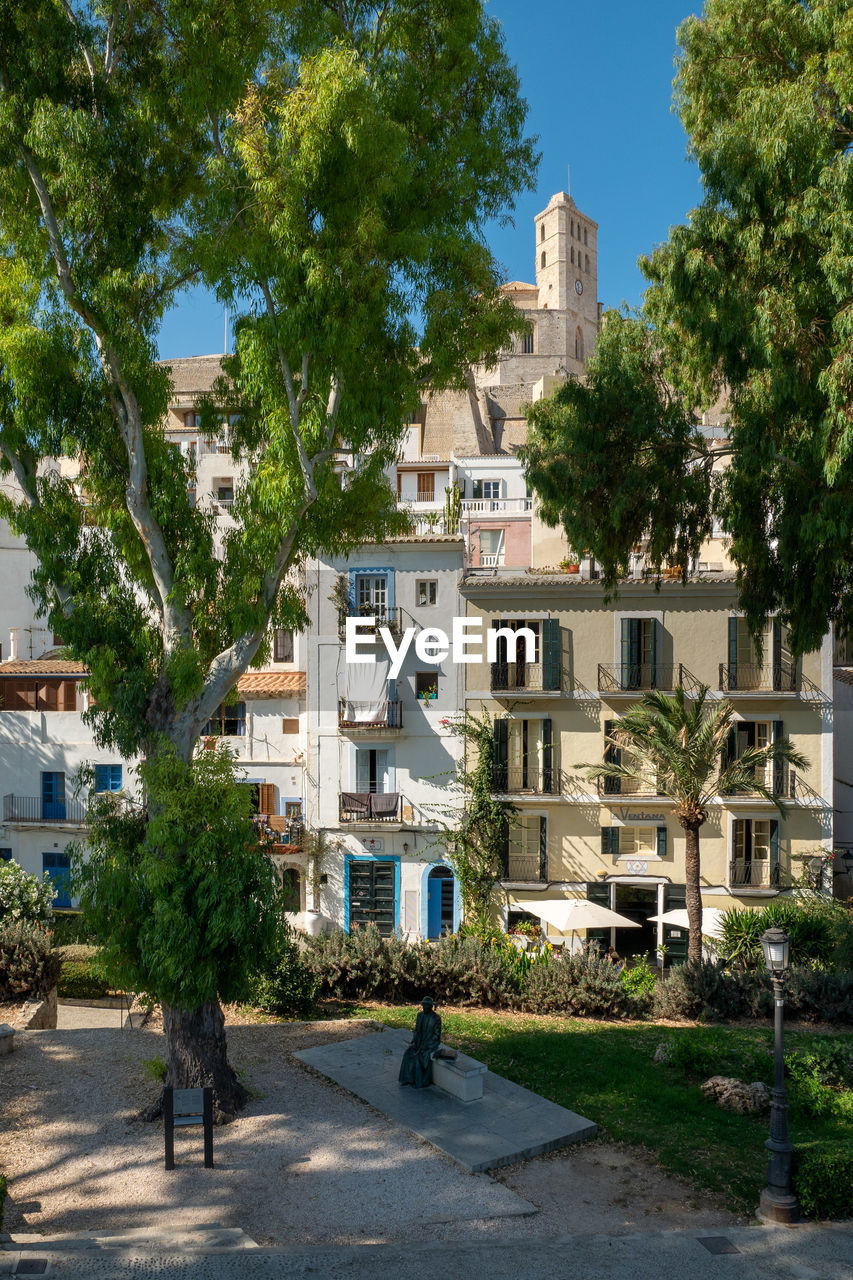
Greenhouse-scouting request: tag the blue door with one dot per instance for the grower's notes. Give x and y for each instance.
(439, 902)
(58, 868)
(53, 797)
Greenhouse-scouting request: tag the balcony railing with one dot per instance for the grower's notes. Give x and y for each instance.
(507, 676)
(744, 677)
(284, 830)
(627, 787)
(371, 806)
(35, 809)
(356, 716)
(759, 873)
(491, 559)
(526, 867)
(510, 506)
(524, 780)
(626, 677)
(382, 615)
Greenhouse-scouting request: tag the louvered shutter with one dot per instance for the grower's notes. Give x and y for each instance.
(609, 843)
(543, 848)
(551, 658)
(778, 765)
(774, 851)
(661, 842)
(655, 653)
(266, 798)
(547, 756)
(612, 755)
(777, 654)
(732, 664)
(500, 761)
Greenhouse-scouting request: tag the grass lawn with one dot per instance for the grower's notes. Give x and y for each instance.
(606, 1072)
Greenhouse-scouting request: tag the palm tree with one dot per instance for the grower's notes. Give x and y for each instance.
(681, 749)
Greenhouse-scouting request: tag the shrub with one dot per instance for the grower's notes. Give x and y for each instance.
(580, 984)
(83, 979)
(823, 1179)
(812, 932)
(28, 964)
(70, 929)
(819, 995)
(24, 897)
(364, 965)
(640, 980)
(155, 1069)
(703, 989)
(285, 984)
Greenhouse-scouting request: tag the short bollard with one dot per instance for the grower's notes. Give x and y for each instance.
(182, 1107)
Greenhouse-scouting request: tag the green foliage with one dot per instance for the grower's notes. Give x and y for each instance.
(182, 895)
(583, 984)
(809, 929)
(83, 979)
(155, 1069)
(70, 928)
(581, 440)
(707, 990)
(364, 964)
(282, 982)
(823, 1179)
(475, 846)
(640, 980)
(29, 967)
(718, 1053)
(24, 897)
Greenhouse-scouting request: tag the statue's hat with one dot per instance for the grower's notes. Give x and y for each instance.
(428, 1000)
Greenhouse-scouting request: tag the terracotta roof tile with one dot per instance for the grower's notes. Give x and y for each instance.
(271, 684)
(42, 667)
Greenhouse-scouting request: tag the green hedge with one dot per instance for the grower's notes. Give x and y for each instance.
(823, 1179)
(82, 980)
(705, 989)
(69, 927)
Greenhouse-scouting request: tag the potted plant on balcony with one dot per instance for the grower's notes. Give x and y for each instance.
(570, 566)
(429, 693)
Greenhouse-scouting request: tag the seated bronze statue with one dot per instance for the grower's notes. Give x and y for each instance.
(416, 1067)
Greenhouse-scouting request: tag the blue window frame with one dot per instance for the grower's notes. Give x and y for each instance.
(58, 868)
(108, 777)
(53, 796)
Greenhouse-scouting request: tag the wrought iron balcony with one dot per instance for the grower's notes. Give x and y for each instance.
(758, 873)
(745, 677)
(35, 809)
(382, 616)
(631, 677)
(507, 677)
(524, 867)
(627, 787)
(526, 780)
(358, 717)
(370, 806)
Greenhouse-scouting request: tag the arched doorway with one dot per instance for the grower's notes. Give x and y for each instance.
(440, 894)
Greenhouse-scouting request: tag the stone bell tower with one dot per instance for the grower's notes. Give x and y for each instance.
(567, 273)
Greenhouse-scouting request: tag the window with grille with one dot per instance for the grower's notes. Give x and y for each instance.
(426, 591)
(108, 777)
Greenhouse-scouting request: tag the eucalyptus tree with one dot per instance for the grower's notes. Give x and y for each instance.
(327, 168)
(749, 301)
(680, 747)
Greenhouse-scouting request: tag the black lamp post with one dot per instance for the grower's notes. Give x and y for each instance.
(778, 1202)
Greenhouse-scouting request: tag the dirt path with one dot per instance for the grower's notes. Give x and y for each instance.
(307, 1162)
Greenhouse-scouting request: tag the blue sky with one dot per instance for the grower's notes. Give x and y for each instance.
(598, 81)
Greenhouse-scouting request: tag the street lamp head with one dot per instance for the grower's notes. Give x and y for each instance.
(776, 945)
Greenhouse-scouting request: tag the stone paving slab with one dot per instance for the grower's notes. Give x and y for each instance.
(759, 1253)
(507, 1124)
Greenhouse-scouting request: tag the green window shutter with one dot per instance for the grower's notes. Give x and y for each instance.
(675, 897)
(732, 682)
(547, 755)
(551, 657)
(774, 851)
(599, 892)
(504, 843)
(661, 842)
(778, 765)
(777, 654)
(625, 653)
(610, 842)
(612, 755)
(477, 489)
(500, 760)
(543, 848)
(655, 653)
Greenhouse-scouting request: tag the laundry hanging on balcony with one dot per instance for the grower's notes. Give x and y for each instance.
(365, 692)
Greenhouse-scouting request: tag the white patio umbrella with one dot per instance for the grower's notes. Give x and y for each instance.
(712, 920)
(574, 915)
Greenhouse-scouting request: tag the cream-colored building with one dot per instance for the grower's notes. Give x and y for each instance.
(593, 659)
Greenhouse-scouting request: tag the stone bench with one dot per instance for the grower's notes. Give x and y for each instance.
(461, 1077)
